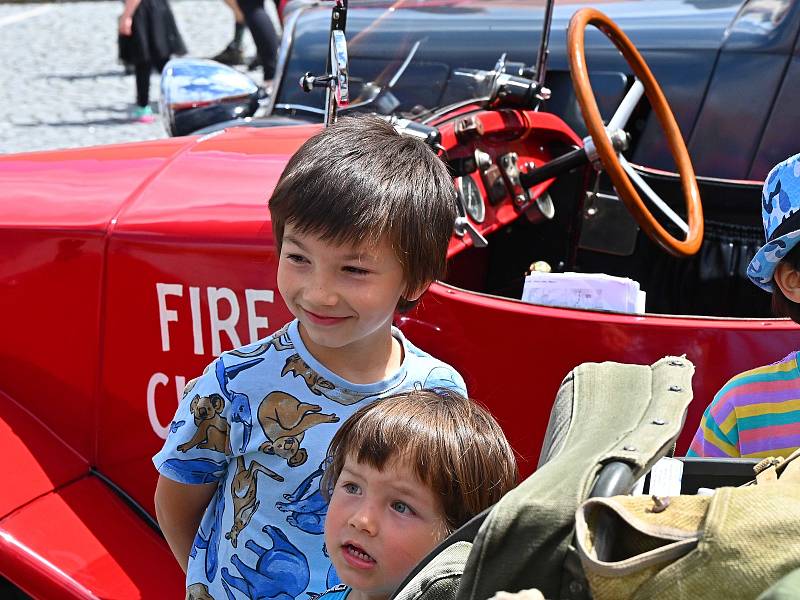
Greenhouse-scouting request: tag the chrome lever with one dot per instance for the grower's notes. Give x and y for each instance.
(463, 225)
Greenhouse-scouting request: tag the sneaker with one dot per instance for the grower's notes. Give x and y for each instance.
(231, 55)
(143, 114)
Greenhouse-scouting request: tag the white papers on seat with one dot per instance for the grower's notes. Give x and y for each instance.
(594, 291)
(665, 479)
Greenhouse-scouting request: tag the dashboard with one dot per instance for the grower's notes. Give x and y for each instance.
(488, 152)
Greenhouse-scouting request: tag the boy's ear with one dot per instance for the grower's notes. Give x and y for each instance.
(414, 295)
(788, 280)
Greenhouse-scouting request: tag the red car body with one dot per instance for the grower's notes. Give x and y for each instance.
(126, 269)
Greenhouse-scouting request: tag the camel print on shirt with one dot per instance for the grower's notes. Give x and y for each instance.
(258, 422)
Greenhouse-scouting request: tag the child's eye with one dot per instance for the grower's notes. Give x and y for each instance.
(355, 270)
(295, 258)
(402, 508)
(351, 488)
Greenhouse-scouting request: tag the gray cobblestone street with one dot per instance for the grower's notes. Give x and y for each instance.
(60, 83)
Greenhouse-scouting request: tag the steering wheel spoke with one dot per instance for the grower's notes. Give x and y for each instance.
(652, 196)
(622, 174)
(625, 108)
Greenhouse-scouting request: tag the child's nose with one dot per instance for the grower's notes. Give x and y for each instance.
(364, 519)
(320, 291)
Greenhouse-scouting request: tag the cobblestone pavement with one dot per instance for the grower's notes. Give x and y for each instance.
(60, 83)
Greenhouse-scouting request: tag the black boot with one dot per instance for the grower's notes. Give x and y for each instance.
(254, 63)
(231, 55)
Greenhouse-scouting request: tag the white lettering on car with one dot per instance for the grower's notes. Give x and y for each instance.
(218, 325)
(170, 312)
(197, 324)
(156, 380)
(254, 321)
(165, 315)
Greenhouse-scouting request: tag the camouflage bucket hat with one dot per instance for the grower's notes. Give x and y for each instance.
(780, 210)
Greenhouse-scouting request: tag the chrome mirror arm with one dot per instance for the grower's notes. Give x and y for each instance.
(338, 92)
(336, 80)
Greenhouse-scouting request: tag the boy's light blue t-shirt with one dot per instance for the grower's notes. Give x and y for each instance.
(339, 592)
(259, 421)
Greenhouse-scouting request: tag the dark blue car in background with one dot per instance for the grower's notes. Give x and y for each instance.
(729, 70)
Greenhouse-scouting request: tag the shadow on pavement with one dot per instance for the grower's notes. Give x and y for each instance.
(123, 119)
(79, 76)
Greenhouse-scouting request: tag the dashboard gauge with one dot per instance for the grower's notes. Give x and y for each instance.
(471, 198)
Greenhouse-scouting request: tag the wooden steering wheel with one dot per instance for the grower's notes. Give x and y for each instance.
(619, 170)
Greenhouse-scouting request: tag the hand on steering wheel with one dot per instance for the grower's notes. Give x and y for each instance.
(622, 174)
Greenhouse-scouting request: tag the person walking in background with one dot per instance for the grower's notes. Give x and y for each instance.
(148, 37)
(233, 54)
(265, 26)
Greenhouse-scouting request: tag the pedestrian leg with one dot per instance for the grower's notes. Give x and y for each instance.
(143, 113)
(264, 30)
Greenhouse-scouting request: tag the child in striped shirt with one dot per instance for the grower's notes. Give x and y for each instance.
(757, 413)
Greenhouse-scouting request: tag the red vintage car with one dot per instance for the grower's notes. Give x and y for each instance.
(128, 268)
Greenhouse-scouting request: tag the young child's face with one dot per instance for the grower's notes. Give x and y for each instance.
(380, 524)
(343, 295)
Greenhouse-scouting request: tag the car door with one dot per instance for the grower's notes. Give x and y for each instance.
(738, 119)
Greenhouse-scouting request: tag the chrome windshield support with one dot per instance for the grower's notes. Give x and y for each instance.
(544, 51)
(336, 79)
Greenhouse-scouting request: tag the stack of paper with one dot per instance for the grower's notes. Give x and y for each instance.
(593, 291)
(665, 478)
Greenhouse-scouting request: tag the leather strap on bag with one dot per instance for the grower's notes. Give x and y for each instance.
(789, 469)
(773, 468)
(767, 470)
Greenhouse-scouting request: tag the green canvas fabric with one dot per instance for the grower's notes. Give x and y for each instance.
(731, 545)
(786, 588)
(439, 579)
(631, 413)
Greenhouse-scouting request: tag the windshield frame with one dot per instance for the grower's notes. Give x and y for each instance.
(451, 90)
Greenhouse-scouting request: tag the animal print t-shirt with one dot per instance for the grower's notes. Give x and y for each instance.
(259, 421)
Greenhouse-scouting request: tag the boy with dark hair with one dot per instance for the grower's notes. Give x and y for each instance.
(404, 473)
(755, 413)
(362, 218)
(349, 185)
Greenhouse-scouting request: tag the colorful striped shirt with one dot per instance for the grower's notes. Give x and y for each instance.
(756, 414)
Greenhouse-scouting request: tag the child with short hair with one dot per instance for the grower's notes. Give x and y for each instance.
(755, 414)
(362, 218)
(405, 472)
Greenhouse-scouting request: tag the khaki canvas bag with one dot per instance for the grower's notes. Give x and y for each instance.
(604, 415)
(733, 544)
